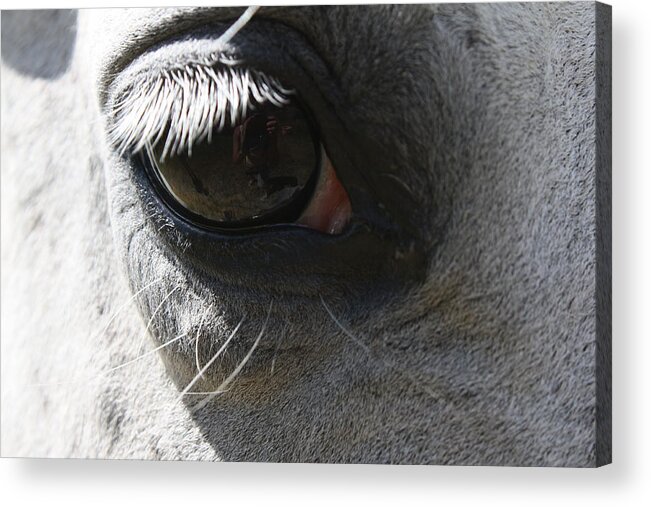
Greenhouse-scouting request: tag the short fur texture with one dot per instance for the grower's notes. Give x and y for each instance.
(464, 335)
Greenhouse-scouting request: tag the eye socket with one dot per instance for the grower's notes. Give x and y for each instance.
(228, 148)
(261, 171)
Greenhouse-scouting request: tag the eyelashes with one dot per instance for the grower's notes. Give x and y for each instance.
(185, 106)
(182, 106)
(258, 160)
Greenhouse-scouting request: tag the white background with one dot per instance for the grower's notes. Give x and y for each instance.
(625, 482)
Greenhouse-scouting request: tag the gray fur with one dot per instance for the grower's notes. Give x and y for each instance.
(470, 338)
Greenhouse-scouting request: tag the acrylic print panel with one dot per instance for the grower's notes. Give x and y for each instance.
(346, 234)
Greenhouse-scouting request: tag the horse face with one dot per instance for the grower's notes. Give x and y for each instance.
(450, 318)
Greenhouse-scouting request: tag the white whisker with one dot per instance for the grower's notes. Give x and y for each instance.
(238, 25)
(222, 387)
(147, 354)
(151, 319)
(114, 368)
(124, 305)
(196, 341)
(341, 326)
(209, 363)
(392, 366)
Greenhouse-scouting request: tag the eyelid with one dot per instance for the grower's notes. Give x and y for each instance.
(183, 91)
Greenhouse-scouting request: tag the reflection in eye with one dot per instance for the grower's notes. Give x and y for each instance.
(261, 171)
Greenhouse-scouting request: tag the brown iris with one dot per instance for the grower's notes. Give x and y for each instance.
(261, 171)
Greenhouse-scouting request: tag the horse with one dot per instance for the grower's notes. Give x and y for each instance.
(456, 314)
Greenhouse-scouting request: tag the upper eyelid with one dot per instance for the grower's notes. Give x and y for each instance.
(183, 90)
(145, 29)
(156, 26)
(196, 48)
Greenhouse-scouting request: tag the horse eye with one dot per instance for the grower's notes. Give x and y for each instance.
(262, 170)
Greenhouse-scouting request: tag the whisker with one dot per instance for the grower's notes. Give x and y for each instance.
(238, 25)
(196, 341)
(392, 366)
(146, 354)
(114, 368)
(124, 305)
(209, 363)
(341, 326)
(151, 319)
(222, 387)
(203, 393)
(404, 185)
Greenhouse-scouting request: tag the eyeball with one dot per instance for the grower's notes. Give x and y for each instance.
(262, 170)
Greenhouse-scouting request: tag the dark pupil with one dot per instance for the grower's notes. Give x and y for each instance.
(261, 171)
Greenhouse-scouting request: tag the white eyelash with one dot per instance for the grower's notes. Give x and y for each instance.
(185, 106)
